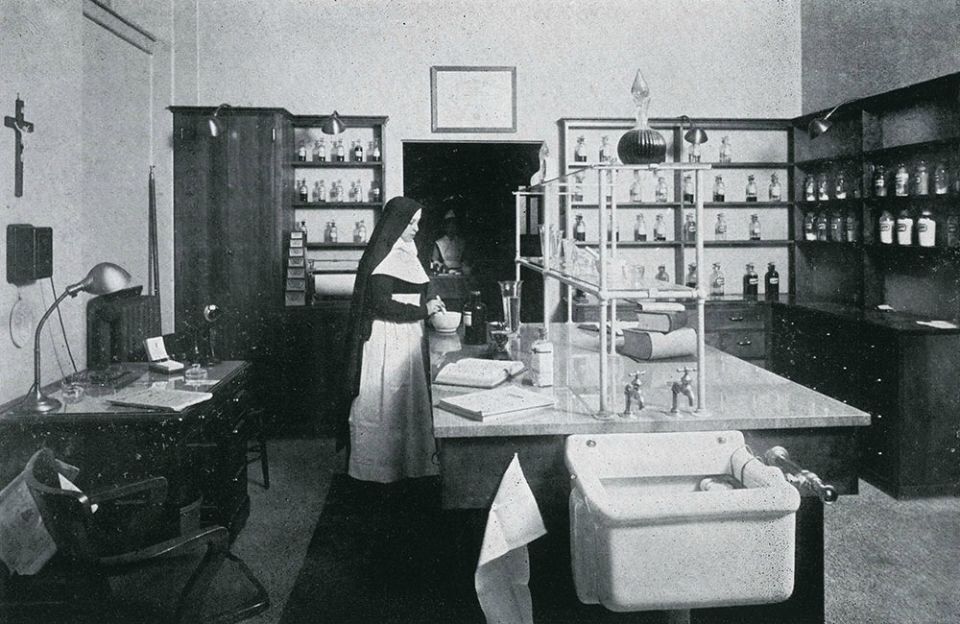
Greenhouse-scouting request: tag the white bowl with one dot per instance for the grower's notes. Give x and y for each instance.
(446, 322)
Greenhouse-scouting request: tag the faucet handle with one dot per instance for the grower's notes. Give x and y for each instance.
(635, 377)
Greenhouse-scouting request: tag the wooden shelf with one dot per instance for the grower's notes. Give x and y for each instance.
(816, 163)
(742, 243)
(336, 205)
(626, 205)
(633, 243)
(737, 205)
(296, 164)
(894, 150)
(827, 204)
(336, 245)
(750, 165)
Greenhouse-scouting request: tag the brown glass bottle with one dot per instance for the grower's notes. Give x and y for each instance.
(475, 320)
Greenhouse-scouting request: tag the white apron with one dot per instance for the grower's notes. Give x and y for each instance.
(391, 433)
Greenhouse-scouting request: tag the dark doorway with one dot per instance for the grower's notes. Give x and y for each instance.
(476, 180)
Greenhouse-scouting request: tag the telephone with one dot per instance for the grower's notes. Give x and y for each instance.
(157, 355)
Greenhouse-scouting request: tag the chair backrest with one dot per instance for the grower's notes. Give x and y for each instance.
(66, 514)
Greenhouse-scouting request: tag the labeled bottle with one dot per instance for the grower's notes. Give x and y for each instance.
(610, 231)
(606, 152)
(475, 320)
(580, 153)
(751, 283)
(691, 280)
(840, 186)
(374, 192)
(904, 228)
(851, 228)
(318, 192)
(886, 228)
(953, 231)
(940, 185)
(836, 227)
(771, 283)
(301, 151)
(921, 179)
(720, 229)
(879, 182)
(579, 229)
(822, 226)
(358, 152)
(636, 189)
(754, 227)
(334, 192)
(362, 231)
(321, 147)
(662, 274)
(690, 229)
(663, 191)
(326, 232)
(334, 236)
(688, 194)
(809, 227)
(901, 182)
(577, 194)
(659, 229)
(640, 229)
(716, 281)
(751, 190)
(926, 229)
(356, 231)
(823, 190)
(541, 361)
(726, 153)
(303, 192)
(774, 191)
(719, 189)
(341, 154)
(809, 188)
(375, 154)
(317, 152)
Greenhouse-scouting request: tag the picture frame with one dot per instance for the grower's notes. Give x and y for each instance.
(473, 98)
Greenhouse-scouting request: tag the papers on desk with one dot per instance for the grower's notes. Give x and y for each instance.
(478, 373)
(938, 324)
(489, 404)
(158, 398)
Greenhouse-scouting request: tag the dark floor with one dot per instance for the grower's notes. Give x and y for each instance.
(886, 561)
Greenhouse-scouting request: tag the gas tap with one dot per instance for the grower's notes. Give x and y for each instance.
(633, 394)
(684, 387)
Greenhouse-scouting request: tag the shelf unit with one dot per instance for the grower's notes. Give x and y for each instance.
(599, 282)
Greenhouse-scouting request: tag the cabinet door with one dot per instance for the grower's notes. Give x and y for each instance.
(880, 444)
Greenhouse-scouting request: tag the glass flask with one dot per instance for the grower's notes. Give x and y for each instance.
(809, 188)
(822, 226)
(754, 227)
(688, 195)
(771, 283)
(879, 182)
(751, 190)
(851, 228)
(659, 229)
(836, 227)
(662, 274)
(904, 228)
(579, 229)
(823, 191)
(921, 179)
(809, 226)
(636, 189)
(719, 189)
(691, 279)
(775, 192)
(580, 153)
(726, 153)
(901, 182)
(720, 229)
(840, 186)
(716, 281)
(926, 229)
(663, 191)
(606, 152)
(640, 229)
(751, 283)
(940, 185)
(886, 227)
(641, 144)
(690, 229)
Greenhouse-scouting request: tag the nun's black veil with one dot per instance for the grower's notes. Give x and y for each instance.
(393, 221)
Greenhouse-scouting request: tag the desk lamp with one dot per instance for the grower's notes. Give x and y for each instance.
(102, 279)
(694, 135)
(819, 125)
(333, 124)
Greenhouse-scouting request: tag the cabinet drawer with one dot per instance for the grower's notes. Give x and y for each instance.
(720, 317)
(746, 344)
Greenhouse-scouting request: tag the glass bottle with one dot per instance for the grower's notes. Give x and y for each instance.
(751, 283)
(720, 229)
(577, 194)
(836, 227)
(374, 192)
(326, 232)
(316, 192)
(321, 147)
(690, 229)
(662, 274)
(823, 192)
(953, 231)
(719, 189)
(840, 186)
(926, 229)
(904, 228)
(886, 227)
(940, 185)
(659, 229)
(475, 320)
(316, 152)
(809, 226)
(321, 192)
(691, 279)
(356, 192)
(879, 182)
(579, 229)
(580, 153)
(902, 182)
(636, 189)
(302, 191)
(301, 151)
(726, 154)
(751, 191)
(822, 226)
(606, 152)
(775, 192)
(716, 281)
(921, 179)
(754, 227)
(851, 229)
(375, 154)
(809, 188)
(362, 231)
(610, 229)
(335, 191)
(771, 283)
(358, 152)
(694, 154)
(541, 361)
(688, 195)
(356, 231)
(662, 190)
(341, 153)
(956, 178)
(640, 229)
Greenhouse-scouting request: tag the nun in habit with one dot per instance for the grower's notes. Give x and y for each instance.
(390, 418)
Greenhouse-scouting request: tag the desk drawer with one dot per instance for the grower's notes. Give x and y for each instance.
(720, 317)
(745, 344)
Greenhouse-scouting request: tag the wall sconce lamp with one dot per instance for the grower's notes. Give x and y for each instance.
(819, 125)
(695, 136)
(215, 123)
(102, 279)
(333, 124)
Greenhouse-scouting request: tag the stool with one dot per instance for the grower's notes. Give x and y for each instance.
(257, 445)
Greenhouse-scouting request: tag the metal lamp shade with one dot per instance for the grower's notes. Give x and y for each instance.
(333, 124)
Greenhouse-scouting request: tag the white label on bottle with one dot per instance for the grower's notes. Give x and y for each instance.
(774, 280)
(467, 318)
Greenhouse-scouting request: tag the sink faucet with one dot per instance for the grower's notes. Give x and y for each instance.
(684, 386)
(633, 394)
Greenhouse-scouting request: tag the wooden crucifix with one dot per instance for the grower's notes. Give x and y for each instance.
(19, 125)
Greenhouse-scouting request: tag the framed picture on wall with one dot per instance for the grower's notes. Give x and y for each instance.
(473, 99)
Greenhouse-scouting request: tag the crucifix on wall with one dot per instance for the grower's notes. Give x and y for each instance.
(19, 126)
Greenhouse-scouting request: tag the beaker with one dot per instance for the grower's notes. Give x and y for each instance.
(510, 293)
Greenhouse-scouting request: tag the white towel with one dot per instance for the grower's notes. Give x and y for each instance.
(503, 570)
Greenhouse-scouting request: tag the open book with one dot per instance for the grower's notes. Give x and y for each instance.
(478, 373)
(501, 401)
(158, 398)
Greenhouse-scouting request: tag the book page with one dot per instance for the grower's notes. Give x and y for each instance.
(163, 398)
(498, 401)
(478, 373)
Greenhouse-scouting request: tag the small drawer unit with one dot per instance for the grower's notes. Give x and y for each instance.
(297, 288)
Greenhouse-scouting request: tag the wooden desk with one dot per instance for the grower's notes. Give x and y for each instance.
(201, 451)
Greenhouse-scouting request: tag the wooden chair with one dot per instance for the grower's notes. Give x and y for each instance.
(118, 531)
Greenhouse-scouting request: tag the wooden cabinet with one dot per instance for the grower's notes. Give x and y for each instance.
(230, 224)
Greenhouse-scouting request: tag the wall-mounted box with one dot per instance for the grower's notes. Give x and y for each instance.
(29, 253)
